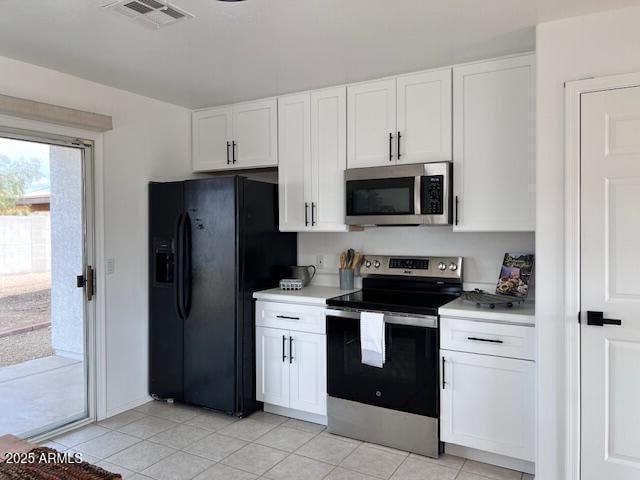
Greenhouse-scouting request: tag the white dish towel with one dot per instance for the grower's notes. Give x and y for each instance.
(372, 338)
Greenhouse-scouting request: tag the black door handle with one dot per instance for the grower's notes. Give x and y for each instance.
(233, 151)
(597, 319)
(444, 383)
(457, 204)
(306, 214)
(390, 147)
(284, 342)
(398, 150)
(178, 284)
(290, 349)
(228, 145)
(187, 267)
(313, 213)
(287, 317)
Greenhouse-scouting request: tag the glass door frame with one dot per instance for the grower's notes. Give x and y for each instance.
(86, 147)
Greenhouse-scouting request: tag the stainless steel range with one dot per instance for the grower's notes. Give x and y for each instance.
(395, 404)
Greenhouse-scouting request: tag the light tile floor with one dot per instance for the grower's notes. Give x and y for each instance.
(177, 442)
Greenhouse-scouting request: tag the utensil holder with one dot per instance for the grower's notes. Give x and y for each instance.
(346, 278)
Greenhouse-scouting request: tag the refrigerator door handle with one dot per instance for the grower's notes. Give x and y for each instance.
(186, 267)
(178, 279)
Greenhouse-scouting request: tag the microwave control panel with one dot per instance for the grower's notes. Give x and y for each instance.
(432, 191)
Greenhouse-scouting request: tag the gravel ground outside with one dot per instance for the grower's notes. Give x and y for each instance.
(25, 346)
(25, 302)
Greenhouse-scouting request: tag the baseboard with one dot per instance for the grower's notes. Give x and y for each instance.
(490, 458)
(126, 406)
(297, 414)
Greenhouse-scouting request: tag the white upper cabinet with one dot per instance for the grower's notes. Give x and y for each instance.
(494, 145)
(255, 132)
(328, 158)
(294, 164)
(312, 160)
(211, 139)
(235, 137)
(406, 119)
(424, 117)
(371, 123)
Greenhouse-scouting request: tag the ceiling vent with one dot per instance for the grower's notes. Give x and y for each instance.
(151, 13)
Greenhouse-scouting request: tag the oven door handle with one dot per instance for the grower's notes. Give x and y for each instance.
(427, 321)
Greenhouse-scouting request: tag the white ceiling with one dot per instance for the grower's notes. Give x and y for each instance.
(257, 48)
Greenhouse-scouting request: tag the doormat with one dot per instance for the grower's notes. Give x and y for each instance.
(42, 463)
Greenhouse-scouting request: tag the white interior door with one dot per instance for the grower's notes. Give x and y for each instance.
(610, 256)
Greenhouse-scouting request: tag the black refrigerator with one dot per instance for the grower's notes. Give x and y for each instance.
(212, 243)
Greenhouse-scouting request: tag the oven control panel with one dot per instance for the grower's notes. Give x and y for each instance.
(435, 267)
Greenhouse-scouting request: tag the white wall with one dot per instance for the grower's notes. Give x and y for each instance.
(593, 45)
(150, 140)
(482, 252)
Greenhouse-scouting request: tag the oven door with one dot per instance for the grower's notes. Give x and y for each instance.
(407, 382)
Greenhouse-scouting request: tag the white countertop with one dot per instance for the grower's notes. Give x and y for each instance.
(311, 294)
(520, 313)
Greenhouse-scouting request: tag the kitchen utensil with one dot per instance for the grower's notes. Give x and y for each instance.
(302, 272)
(357, 260)
(343, 260)
(346, 278)
(350, 255)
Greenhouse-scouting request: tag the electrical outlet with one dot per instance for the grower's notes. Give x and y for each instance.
(320, 262)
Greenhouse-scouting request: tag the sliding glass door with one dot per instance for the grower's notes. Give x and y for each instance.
(46, 282)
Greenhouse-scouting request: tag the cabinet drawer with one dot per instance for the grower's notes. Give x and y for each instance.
(289, 316)
(514, 341)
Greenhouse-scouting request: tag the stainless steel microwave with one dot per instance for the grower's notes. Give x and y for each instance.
(418, 194)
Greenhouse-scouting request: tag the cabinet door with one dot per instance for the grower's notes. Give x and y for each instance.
(255, 133)
(328, 158)
(308, 382)
(294, 162)
(424, 117)
(210, 132)
(371, 124)
(488, 403)
(494, 145)
(272, 366)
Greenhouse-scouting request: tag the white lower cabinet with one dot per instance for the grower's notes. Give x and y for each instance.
(272, 369)
(307, 373)
(488, 403)
(291, 367)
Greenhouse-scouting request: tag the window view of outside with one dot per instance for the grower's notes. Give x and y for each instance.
(25, 252)
(42, 363)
